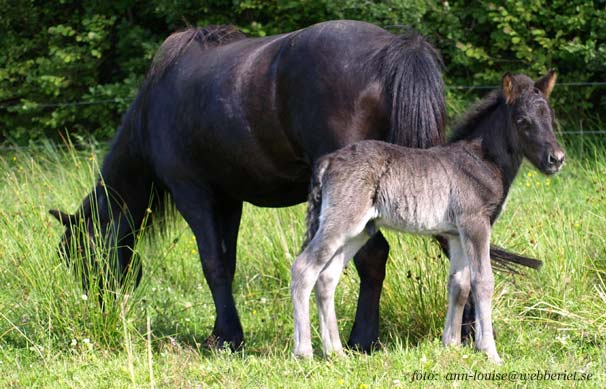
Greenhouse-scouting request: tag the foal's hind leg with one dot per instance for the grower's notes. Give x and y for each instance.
(304, 275)
(459, 284)
(370, 262)
(325, 294)
(215, 224)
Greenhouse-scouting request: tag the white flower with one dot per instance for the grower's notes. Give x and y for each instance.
(84, 297)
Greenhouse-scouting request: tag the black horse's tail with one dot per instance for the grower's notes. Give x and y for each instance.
(314, 200)
(412, 76)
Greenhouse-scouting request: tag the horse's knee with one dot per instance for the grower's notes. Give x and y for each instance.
(300, 279)
(459, 285)
(483, 287)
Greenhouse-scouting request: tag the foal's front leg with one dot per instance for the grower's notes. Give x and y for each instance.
(475, 237)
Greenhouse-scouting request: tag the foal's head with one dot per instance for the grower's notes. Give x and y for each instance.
(533, 119)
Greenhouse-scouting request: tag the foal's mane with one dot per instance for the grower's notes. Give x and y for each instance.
(177, 43)
(470, 119)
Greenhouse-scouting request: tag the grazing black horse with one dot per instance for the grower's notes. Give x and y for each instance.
(222, 119)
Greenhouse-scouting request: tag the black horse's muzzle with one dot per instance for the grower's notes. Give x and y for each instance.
(554, 161)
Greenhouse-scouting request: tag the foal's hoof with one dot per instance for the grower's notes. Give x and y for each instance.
(304, 354)
(335, 354)
(495, 359)
(217, 342)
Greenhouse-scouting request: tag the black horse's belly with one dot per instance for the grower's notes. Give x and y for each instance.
(262, 183)
(283, 196)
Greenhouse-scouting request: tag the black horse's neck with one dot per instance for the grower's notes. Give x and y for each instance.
(121, 196)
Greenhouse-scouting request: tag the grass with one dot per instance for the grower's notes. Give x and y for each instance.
(53, 335)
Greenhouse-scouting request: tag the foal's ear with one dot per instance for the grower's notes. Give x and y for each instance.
(508, 87)
(545, 84)
(63, 217)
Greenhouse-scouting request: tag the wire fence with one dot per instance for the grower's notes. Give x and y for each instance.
(34, 105)
(31, 106)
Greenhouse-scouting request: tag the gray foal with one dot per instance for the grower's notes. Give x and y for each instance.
(456, 191)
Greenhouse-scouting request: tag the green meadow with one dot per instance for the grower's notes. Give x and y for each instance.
(550, 324)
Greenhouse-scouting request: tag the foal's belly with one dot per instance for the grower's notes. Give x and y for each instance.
(427, 217)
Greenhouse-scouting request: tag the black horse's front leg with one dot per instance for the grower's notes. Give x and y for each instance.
(370, 262)
(215, 222)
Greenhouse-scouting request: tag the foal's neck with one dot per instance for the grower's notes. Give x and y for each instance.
(497, 135)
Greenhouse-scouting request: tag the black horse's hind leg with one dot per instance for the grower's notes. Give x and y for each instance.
(215, 223)
(469, 320)
(469, 312)
(227, 327)
(370, 262)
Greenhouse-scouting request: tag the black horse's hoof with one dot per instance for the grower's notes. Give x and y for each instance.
(218, 342)
(467, 333)
(364, 346)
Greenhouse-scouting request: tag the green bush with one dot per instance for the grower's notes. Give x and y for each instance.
(96, 53)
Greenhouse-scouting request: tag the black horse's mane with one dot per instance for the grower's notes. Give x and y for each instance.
(174, 45)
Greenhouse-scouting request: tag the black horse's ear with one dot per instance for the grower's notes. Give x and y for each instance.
(508, 87)
(546, 83)
(63, 217)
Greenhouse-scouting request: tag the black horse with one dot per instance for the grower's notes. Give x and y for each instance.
(222, 119)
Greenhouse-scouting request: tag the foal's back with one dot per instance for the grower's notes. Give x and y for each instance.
(413, 190)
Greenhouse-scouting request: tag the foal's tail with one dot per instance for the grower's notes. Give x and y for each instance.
(314, 201)
(412, 77)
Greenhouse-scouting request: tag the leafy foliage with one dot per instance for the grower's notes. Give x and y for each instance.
(96, 53)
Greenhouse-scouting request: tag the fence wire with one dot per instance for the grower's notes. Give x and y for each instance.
(30, 106)
(36, 105)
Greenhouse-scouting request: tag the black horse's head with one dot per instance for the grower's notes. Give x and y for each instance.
(533, 118)
(78, 244)
(93, 245)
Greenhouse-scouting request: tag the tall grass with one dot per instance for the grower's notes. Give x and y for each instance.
(46, 316)
(42, 301)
